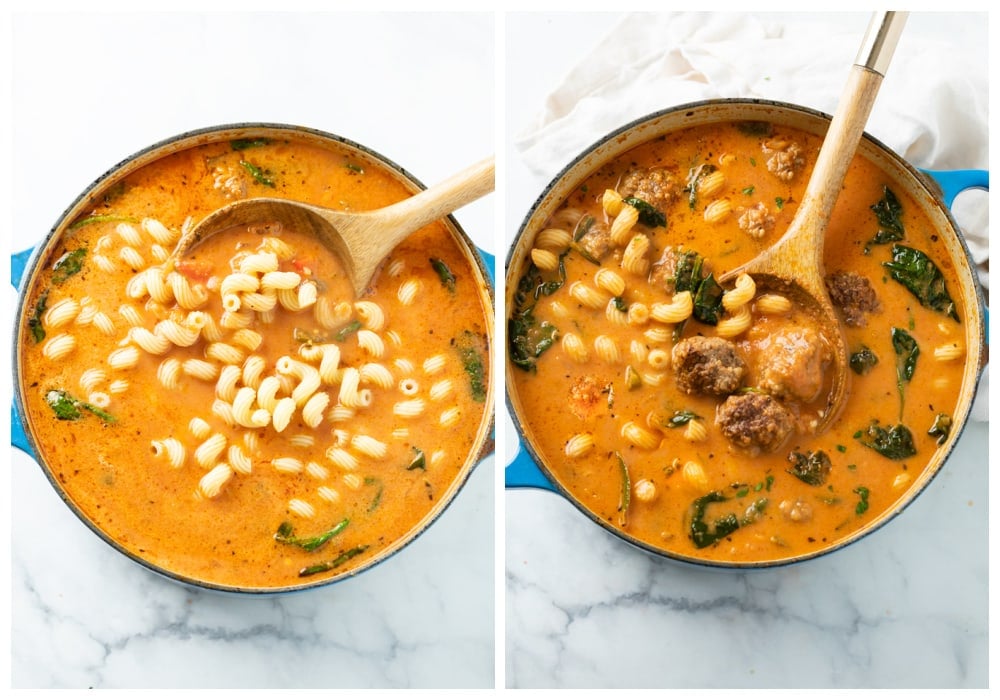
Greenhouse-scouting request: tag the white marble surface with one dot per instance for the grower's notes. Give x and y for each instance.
(92, 89)
(905, 607)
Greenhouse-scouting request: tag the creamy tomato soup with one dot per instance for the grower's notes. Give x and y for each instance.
(689, 416)
(238, 417)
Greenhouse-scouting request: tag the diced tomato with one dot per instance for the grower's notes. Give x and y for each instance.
(195, 271)
(304, 266)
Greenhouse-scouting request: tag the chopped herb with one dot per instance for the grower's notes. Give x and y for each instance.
(67, 407)
(888, 211)
(355, 168)
(753, 161)
(35, 322)
(632, 378)
(261, 176)
(348, 330)
(418, 461)
(703, 535)
(743, 492)
(862, 506)
(244, 144)
(648, 214)
(748, 190)
(334, 563)
(918, 273)
(472, 363)
(812, 469)
(682, 417)
(895, 443)
(841, 448)
(779, 202)
(444, 274)
(68, 264)
(102, 218)
(285, 536)
(620, 304)
(626, 492)
(941, 428)
(863, 360)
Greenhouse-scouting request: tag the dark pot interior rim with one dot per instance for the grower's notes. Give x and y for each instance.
(918, 179)
(482, 450)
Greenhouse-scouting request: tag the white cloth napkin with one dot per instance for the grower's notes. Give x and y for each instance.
(931, 108)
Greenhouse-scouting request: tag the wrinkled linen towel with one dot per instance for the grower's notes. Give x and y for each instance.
(931, 108)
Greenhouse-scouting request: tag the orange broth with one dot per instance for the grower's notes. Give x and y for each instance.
(862, 484)
(161, 513)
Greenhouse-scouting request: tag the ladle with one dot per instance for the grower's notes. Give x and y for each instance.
(794, 264)
(361, 240)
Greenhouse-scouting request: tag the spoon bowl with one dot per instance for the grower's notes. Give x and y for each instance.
(361, 240)
(793, 266)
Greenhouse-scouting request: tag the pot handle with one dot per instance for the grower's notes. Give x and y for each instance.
(18, 438)
(954, 182)
(522, 472)
(491, 264)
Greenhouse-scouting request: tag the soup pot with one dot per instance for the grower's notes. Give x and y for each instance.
(26, 267)
(933, 191)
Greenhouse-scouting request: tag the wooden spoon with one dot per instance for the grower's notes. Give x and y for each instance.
(361, 240)
(794, 264)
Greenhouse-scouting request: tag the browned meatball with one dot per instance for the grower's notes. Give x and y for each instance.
(754, 421)
(792, 363)
(655, 186)
(854, 295)
(707, 366)
(596, 241)
(587, 396)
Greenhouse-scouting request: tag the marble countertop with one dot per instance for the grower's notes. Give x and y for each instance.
(906, 606)
(91, 89)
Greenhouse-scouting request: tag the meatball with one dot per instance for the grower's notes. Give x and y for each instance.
(854, 295)
(663, 272)
(596, 241)
(756, 220)
(587, 396)
(785, 160)
(655, 186)
(707, 366)
(792, 363)
(754, 421)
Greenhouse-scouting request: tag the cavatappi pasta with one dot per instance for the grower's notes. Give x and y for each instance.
(632, 368)
(230, 408)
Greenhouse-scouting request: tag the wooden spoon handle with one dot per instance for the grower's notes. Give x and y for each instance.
(438, 201)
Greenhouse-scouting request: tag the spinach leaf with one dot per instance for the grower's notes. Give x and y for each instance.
(703, 534)
(527, 337)
(68, 264)
(648, 214)
(907, 352)
(285, 536)
(941, 428)
(625, 496)
(444, 274)
(472, 362)
(348, 330)
(244, 144)
(418, 461)
(258, 174)
(695, 176)
(812, 469)
(708, 301)
(888, 211)
(582, 227)
(687, 272)
(35, 322)
(379, 488)
(681, 418)
(334, 563)
(863, 360)
(918, 273)
(66, 407)
(895, 443)
(102, 218)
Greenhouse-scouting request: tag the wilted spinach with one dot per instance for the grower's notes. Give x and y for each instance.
(863, 360)
(813, 468)
(648, 214)
(888, 211)
(918, 273)
(895, 443)
(703, 534)
(528, 337)
(907, 352)
(941, 428)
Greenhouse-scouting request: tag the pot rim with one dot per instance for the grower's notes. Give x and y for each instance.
(929, 187)
(482, 448)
